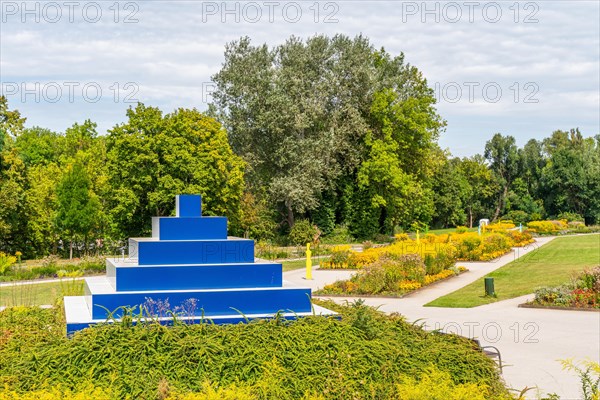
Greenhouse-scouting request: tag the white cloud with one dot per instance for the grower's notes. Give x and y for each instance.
(176, 46)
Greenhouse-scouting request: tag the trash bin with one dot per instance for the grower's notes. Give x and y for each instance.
(489, 287)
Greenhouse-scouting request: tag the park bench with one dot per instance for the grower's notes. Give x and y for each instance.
(490, 351)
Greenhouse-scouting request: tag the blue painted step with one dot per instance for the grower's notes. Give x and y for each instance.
(150, 251)
(128, 277)
(100, 295)
(189, 228)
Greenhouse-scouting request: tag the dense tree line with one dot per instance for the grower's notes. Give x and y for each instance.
(329, 130)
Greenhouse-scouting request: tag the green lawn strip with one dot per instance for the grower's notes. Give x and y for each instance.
(39, 293)
(297, 264)
(550, 265)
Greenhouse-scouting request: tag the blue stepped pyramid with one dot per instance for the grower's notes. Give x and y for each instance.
(190, 264)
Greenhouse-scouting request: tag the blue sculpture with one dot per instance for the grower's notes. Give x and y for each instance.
(190, 260)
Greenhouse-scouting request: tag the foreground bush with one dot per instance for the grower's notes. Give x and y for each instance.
(362, 356)
(431, 385)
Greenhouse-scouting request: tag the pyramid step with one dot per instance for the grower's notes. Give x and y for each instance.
(189, 228)
(127, 277)
(78, 316)
(101, 296)
(151, 251)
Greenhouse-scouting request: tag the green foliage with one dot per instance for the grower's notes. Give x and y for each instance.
(78, 206)
(363, 355)
(152, 157)
(570, 181)
(451, 189)
(50, 269)
(438, 385)
(388, 275)
(339, 235)
(6, 261)
(502, 153)
(38, 146)
(589, 375)
(480, 190)
(303, 232)
(301, 115)
(517, 216)
(328, 128)
(256, 218)
(570, 217)
(324, 216)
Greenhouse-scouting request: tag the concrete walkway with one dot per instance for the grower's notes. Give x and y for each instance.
(531, 341)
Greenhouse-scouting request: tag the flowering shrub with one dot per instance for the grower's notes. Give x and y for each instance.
(439, 252)
(500, 226)
(519, 239)
(408, 286)
(547, 226)
(339, 257)
(390, 275)
(582, 292)
(429, 279)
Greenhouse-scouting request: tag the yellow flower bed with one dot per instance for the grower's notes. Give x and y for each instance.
(407, 286)
(443, 249)
(547, 226)
(500, 226)
(429, 279)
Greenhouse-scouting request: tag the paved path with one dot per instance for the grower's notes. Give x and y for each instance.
(530, 340)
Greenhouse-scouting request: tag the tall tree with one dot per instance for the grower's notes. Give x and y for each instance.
(13, 184)
(152, 157)
(452, 191)
(501, 152)
(78, 207)
(481, 188)
(41, 208)
(38, 146)
(300, 113)
(11, 125)
(571, 177)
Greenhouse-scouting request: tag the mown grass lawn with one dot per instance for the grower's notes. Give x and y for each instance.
(39, 293)
(550, 265)
(297, 264)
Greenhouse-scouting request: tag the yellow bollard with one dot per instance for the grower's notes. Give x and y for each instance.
(308, 262)
(417, 236)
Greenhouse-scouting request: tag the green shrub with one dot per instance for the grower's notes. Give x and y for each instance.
(363, 355)
(45, 271)
(303, 232)
(570, 217)
(461, 229)
(339, 235)
(6, 261)
(589, 279)
(50, 261)
(437, 385)
(381, 238)
(517, 216)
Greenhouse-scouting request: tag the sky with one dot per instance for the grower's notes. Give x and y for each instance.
(521, 68)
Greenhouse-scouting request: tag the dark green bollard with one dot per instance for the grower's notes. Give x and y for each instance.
(489, 287)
